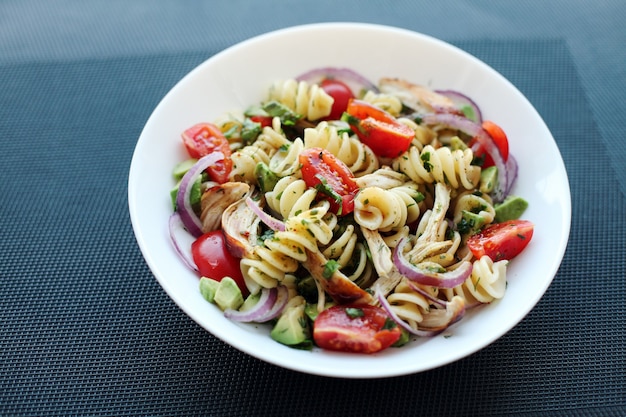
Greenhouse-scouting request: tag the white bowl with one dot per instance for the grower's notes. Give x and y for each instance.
(240, 76)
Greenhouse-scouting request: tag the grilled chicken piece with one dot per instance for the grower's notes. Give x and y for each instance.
(416, 96)
(338, 286)
(241, 228)
(216, 200)
(388, 275)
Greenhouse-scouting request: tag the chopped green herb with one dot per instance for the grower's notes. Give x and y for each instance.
(354, 312)
(329, 268)
(389, 324)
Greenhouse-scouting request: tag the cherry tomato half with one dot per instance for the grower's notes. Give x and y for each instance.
(501, 240)
(264, 121)
(355, 328)
(331, 177)
(204, 138)
(500, 139)
(215, 261)
(341, 95)
(378, 129)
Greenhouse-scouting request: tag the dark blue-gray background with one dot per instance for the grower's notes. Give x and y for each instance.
(86, 330)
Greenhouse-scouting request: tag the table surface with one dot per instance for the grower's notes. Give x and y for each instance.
(87, 330)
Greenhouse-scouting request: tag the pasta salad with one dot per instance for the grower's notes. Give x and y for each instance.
(349, 215)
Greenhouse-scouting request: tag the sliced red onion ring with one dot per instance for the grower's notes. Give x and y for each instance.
(189, 218)
(380, 296)
(176, 225)
(259, 311)
(449, 279)
(485, 141)
(460, 101)
(282, 298)
(351, 78)
(272, 222)
(511, 170)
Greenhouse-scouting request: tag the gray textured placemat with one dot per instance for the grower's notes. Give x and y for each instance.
(86, 329)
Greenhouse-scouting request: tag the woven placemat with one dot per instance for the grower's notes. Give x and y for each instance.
(86, 329)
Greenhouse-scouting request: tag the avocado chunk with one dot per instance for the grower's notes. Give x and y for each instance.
(457, 143)
(182, 167)
(250, 301)
(511, 208)
(265, 177)
(292, 328)
(228, 294)
(470, 223)
(488, 179)
(208, 288)
(403, 340)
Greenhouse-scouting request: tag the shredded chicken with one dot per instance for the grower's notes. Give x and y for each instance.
(216, 200)
(338, 286)
(241, 228)
(415, 96)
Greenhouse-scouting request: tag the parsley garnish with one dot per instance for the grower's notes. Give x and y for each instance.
(329, 268)
(354, 312)
(286, 115)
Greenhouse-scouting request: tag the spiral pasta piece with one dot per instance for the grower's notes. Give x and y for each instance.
(386, 210)
(246, 159)
(285, 161)
(388, 102)
(283, 253)
(349, 252)
(308, 100)
(486, 283)
(443, 165)
(358, 157)
(480, 205)
(290, 196)
(410, 305)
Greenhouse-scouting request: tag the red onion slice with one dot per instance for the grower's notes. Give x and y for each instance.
(258, 312)
(449, 279)
(351, 78)
(485, 141)
(189, 218)
(175, 226)
(272, 222)
(460, 101)
(282, 298)
(511, 170)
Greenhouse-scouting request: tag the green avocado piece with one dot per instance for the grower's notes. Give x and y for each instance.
(250, 301)
(470, 223)
(182, 167)
(511, 208)
(228, 294)
(292, 328)
(403, 340)
(265, 177)
(208, 288)
(457, 143)
(488, 179)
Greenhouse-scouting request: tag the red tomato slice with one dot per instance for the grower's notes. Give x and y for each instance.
(331, 177)
(341, 95)
(378, 129)
(215, 261)
(501, 240)
(204, 138)
(355, 328)
(500, 139)
(262, 120)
